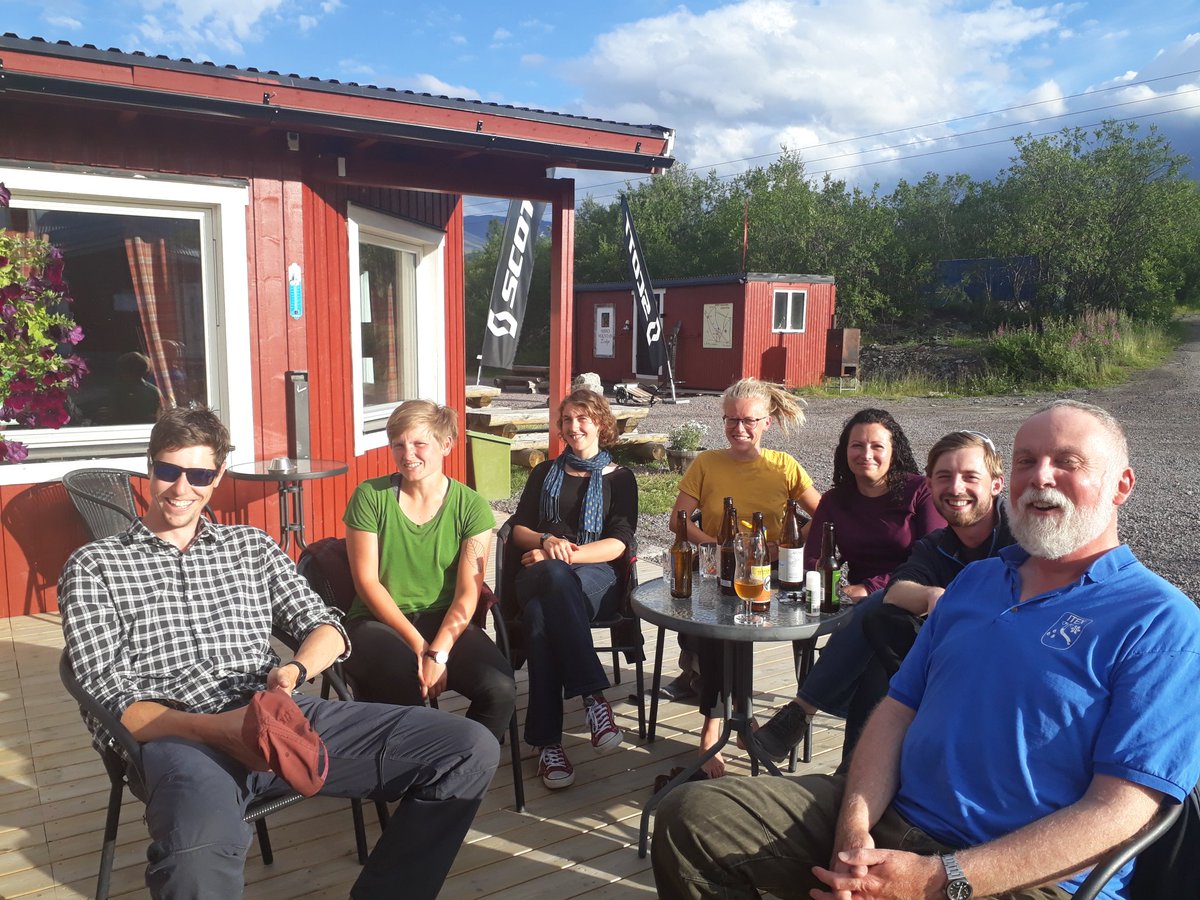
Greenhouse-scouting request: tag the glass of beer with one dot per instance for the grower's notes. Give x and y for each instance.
(748, 581)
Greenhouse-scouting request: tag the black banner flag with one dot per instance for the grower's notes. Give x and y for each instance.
(649, 357)
(510, 290)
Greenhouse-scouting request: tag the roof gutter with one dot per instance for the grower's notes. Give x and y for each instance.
(42, 86)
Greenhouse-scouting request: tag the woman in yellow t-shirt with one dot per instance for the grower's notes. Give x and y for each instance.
(758, 480)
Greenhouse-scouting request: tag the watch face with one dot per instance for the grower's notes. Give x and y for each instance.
(959, 890)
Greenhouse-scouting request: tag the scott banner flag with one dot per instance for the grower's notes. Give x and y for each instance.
(510, 289)
(650, 353)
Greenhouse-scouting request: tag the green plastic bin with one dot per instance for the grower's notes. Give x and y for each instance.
(489, 461)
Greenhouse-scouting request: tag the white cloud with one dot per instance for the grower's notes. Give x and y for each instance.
(501, 34)
(458, 39)
(431, 84)
(64, 22)
(533, 59)
(196, 28)
(749, 77)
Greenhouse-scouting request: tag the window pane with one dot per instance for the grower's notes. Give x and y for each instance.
(387, 284)
(780, 312)
(796, 311)
(138, 287)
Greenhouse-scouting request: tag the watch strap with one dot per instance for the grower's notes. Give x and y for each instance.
(542, 540)
(957, 886)
(303, 671)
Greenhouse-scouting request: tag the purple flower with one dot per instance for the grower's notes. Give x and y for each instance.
(5, 194)
(12, 451)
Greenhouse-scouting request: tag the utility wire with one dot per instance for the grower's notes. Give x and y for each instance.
(950, 121)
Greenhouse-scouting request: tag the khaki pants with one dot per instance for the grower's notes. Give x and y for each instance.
(734, 837)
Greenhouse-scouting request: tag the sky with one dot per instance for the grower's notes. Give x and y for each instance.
(869, 91)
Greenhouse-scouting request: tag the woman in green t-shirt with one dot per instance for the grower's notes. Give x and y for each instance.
(418, 542)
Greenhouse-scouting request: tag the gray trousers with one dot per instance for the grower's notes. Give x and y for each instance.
(437, 765)
(733, 837)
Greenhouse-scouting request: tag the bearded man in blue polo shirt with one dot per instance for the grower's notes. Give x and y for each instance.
(1044, 713)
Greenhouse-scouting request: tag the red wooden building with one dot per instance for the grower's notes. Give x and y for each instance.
(730, 326)
(231, 225)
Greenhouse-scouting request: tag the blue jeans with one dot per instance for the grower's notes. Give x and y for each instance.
(831, 683)
(558, 604)
(437, 765)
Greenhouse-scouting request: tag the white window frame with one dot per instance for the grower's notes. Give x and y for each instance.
(220, 209)
(429, 245)
(791, 296)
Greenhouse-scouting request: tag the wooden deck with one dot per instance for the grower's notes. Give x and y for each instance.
(579, 841)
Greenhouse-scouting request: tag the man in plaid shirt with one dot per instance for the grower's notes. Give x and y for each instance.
(169, 626)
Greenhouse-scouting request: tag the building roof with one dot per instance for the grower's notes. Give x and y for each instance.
(66, 72)
(705, 280)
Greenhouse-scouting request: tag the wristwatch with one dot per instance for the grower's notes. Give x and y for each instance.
(957, 886)
(303, 671)
(542, 540)
(441, 657)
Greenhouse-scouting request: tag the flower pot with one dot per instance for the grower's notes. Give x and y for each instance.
(679, 460)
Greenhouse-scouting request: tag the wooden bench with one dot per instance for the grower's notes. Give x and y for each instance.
(529, 447)
(508, 422)
(479, 395)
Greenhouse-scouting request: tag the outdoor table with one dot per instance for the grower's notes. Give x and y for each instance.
(709, 614)
(290, 482)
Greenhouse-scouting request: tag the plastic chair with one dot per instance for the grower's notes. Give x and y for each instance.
(326, 566)
(124, 767)
(624, 627)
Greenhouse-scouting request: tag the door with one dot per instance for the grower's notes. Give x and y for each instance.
(604, 337)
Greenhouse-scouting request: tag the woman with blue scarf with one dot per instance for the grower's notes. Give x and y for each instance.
(577, 515)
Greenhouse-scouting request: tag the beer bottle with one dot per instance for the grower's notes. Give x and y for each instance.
(828, 566)
(761, 566)
(682, 553)
(729, 536)
(791, 551)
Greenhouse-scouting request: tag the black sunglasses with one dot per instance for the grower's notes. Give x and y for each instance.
(169, 472)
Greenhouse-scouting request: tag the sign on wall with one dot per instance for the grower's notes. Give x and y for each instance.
(718, 326)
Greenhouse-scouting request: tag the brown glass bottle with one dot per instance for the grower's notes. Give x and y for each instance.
(761, 567)
(791, 550)
(728, 535)
(682, 553)
(827, 565)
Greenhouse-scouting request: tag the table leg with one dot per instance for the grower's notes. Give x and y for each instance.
(658, 656)
(285, 531)
(291, 514)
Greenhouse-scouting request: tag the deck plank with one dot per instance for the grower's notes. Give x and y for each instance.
(577, 842)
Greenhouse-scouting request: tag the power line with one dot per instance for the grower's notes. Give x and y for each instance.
(950, 121)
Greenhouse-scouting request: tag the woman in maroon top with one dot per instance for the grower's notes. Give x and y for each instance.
(880, 505)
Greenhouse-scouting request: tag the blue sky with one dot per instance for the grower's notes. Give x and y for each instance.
(869, 90)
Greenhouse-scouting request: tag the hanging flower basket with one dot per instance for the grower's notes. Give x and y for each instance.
(38, 366)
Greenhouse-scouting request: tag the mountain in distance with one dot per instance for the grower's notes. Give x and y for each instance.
(475, 230)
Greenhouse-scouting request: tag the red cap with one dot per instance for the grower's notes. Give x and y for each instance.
(276, 728)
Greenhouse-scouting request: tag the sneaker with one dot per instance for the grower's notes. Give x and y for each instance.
(554, 768)
(783, 732)
(605, 733)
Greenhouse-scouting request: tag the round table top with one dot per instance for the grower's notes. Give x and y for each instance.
(301, 470)
(708, 613)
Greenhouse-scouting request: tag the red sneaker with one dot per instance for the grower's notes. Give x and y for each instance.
(606, 735)
(554, 768)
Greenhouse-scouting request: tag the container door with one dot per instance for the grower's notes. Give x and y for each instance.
(605, 337)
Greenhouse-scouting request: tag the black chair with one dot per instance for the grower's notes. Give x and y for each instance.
(1167, 863)
(104, 499)
(124, 767)
(623, 626)
(326, 566)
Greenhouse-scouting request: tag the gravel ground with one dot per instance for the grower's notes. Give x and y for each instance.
(1160, 410)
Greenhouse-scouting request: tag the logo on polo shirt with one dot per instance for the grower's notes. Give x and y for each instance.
(1065, 631)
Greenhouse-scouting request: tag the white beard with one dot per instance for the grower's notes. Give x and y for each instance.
(1050, 538)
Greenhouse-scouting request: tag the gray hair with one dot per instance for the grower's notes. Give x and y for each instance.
(1119, 454)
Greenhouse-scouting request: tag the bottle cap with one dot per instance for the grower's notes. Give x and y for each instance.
(812, 581)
